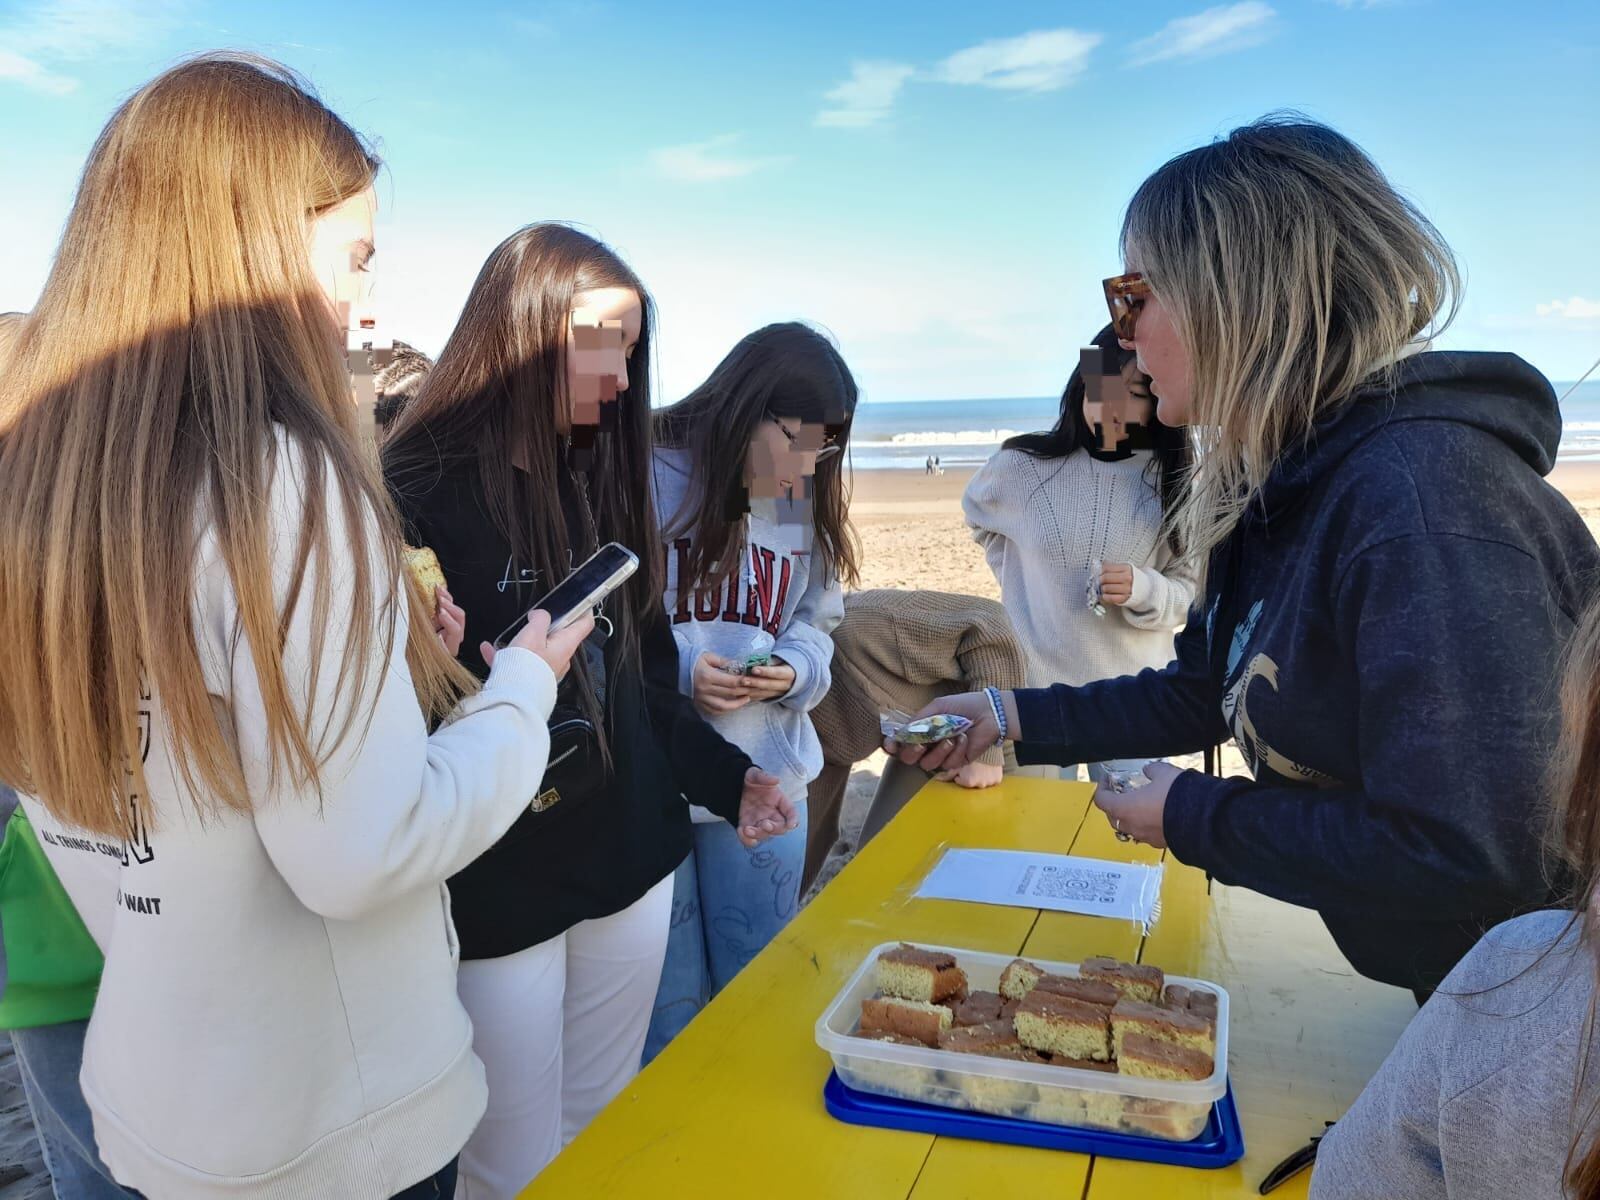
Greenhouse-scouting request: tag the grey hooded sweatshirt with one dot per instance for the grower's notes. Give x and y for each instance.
(1479, 1099)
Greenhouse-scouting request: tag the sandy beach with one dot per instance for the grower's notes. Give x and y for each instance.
(913, 535)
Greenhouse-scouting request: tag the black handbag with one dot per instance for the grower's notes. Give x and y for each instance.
(576, 770)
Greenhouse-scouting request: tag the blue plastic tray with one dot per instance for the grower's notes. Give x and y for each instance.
(1219, 1144)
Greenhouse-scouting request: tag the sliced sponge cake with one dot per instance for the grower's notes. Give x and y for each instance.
(926, 975)
(909, 1018)
(1062, 1025)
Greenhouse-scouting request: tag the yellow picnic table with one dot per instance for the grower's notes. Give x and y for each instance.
(733, 1107)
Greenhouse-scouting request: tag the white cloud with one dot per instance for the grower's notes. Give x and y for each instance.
(1218, 30)
(1575, 309)
(30, 74)
(867, 96)
(1041, 61)
(707, 161)
(41, 36)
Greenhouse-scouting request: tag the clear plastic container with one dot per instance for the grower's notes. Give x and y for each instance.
(1167, 1109)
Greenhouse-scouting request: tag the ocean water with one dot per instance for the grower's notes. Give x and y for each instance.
(964, 433)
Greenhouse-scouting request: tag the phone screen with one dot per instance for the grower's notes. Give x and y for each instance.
(600, 575)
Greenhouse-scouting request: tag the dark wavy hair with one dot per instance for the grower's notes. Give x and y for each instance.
(785, 370)
(1172, 456)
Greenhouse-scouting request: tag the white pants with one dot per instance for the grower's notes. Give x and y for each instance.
(560, 1028)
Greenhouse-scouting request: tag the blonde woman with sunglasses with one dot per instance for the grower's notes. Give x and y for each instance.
(1388, 578)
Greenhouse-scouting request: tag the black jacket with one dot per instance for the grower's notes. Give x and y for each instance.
(1382, 634)
(571, 863)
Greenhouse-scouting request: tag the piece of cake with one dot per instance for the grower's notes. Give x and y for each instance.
(899, 1039)
(915, 1019)
(1151, 1058)
(969, 1038)
(1017, 980)
(1061, 1025)
(984, 1093)
(1080, 1064)
(1134, 980)
(1090, 991)
(890, 1078)
(1057, 1106)
(1169, 1120)
(1178, 1026)
(913, 974)
(422, 564)
(909, 1018)
(1204, 1004)
(980, 1008)
(1176, 996)
(1103, 1110)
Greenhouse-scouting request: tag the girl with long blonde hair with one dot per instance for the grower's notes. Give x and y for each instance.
(1389, 580)
(217, 694)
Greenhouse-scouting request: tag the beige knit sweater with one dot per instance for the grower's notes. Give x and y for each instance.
(1043, 523)
(904, 650)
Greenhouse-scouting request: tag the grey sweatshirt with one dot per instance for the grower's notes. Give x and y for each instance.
(778, 601)
(1478, 1100)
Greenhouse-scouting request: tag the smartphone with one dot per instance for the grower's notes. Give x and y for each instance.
(600, 575)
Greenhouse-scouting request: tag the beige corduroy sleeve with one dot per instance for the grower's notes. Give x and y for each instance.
(932, 640)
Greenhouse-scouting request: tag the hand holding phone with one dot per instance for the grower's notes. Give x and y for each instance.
(556, 647)
(578, 594)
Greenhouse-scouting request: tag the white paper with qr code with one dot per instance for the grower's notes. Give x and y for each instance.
(1095, 887)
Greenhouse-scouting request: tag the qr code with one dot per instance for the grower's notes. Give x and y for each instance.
(1072, 883)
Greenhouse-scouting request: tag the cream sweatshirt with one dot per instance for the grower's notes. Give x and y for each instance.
(1043, 523)
(278, 1015)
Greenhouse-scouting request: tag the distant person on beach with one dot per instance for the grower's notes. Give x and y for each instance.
(1389, 580)
(899, 650)
(225, 754)
(1075, 531)
(751, 494)
(928, 466)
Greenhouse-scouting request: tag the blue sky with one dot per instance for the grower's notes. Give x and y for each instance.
(939, 184)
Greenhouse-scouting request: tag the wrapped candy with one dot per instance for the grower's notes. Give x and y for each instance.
(921, 731)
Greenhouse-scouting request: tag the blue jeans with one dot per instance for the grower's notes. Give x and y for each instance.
(49, 1058)
(727, 904)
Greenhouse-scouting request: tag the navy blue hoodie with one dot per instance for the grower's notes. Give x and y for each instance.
(1382, 635)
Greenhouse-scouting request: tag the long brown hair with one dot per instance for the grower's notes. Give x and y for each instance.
(1294, 272)
(787, 370)
(1575, 846)
(496, 401)
(181, 330)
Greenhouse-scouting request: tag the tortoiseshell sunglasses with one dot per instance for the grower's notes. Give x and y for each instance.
(1125, 296)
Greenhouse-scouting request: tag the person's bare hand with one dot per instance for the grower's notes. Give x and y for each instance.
(555, 648)
(714, 689)
(1140, 812)
(769, 683)
(953, 753)
(450, 621)
(764, 811)
(974, 775)
(1116, 583)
